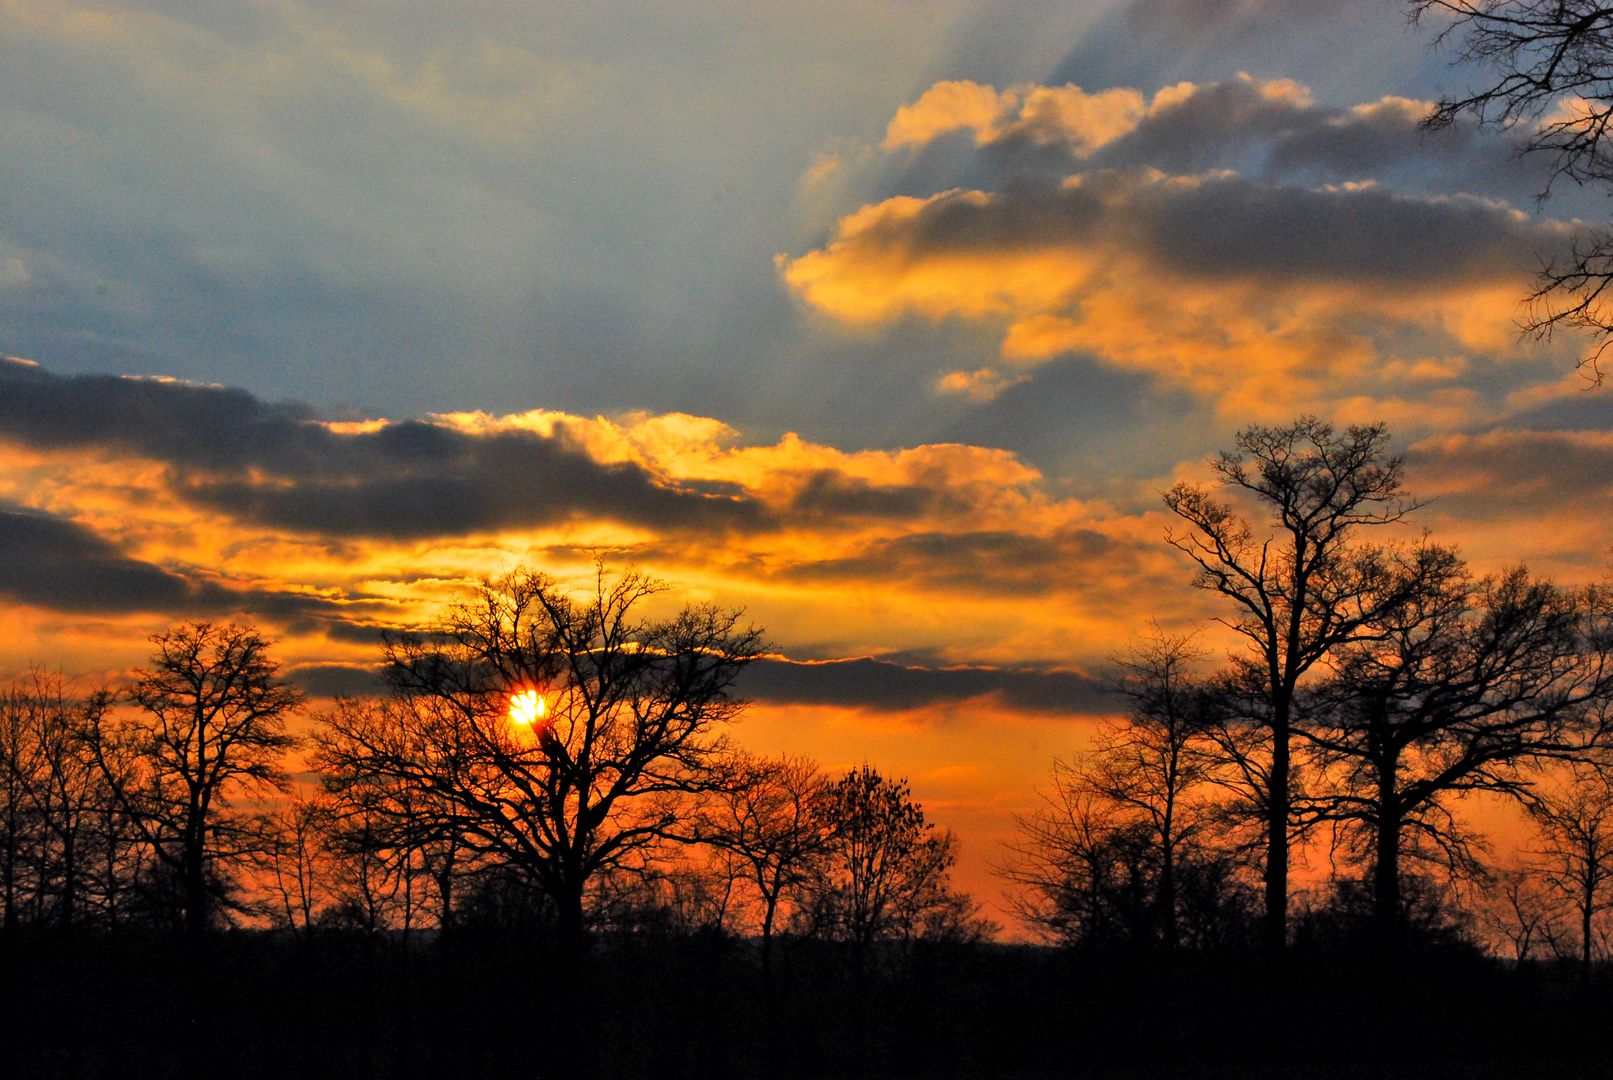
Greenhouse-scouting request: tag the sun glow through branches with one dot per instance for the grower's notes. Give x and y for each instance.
(526, 708)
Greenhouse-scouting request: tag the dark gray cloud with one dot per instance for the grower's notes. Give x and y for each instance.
(993, 562)
(832, 494)
(1238, 228)
(337, 680)
(857, 683)
(276, 465)
(57, 564)
(48, 562)
(1234, 125)
(1504, 473)
(879, 684)
(1226, 226)
(271, 464)
(1587, 411)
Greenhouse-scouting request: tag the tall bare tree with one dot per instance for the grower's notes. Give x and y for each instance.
(1518, 907)
(294, 859)
(1469, 687)
(67, 792)
(1072, 858)
(19, 775)
(1152, 765)
(887, 867)
(631, 724)
(1299, 583)
(210, 731)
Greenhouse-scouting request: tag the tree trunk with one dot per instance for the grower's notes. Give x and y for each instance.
(195, 893)
(771, 1053)
(769, 911)
(1386, 916)
(1166, 901)
(10, 923)
(578, 1058)
(69, 881)
(1587, 909)
(1275, 936)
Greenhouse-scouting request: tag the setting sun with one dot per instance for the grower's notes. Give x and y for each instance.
(526, 708)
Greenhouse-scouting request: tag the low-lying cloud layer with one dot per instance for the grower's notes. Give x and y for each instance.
(143, 495)
(62, 566)
(877, 684)
(276, 465)
(860, 683)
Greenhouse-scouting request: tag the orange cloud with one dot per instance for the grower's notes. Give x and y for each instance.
(1043, 114)
(1079, 121)
(1264, 299)
(1263, 294)
(960, 550)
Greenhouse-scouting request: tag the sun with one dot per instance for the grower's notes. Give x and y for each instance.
(526, 708)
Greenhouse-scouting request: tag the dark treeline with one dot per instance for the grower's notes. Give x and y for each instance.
(538, 853)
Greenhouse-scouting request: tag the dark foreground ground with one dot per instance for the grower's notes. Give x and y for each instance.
(255, 1005)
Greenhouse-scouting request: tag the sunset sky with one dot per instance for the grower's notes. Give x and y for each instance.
(885, 320)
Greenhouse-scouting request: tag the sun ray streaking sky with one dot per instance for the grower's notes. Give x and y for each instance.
(885, 322)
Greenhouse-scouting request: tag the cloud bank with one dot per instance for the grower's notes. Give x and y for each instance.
(1236, 240)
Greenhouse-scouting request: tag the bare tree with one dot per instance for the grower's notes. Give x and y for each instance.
(772, 816)
(1072, 862)
(210, 731)
(293, 855)
(1520, 909)
(1468, 687)
(65, 849)
(1152, 767)
(1125, 848)
(1575, 856)
(67, 791)
(1548, 69)
(1300, 586)
(368, 869)
(631, 710)
(19, 772)
(887, 868)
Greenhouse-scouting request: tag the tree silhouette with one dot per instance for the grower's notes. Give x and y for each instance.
(1575, 856)
(773, 817)
(887, 867)
(211, 730)
(19, 771)
(1519, 909)
(1466, 688)
(1548, 71)
(1151, 766)
(632, 708)
(66, 792)
(1121, 849)
(1300, 586)
(293, 854)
